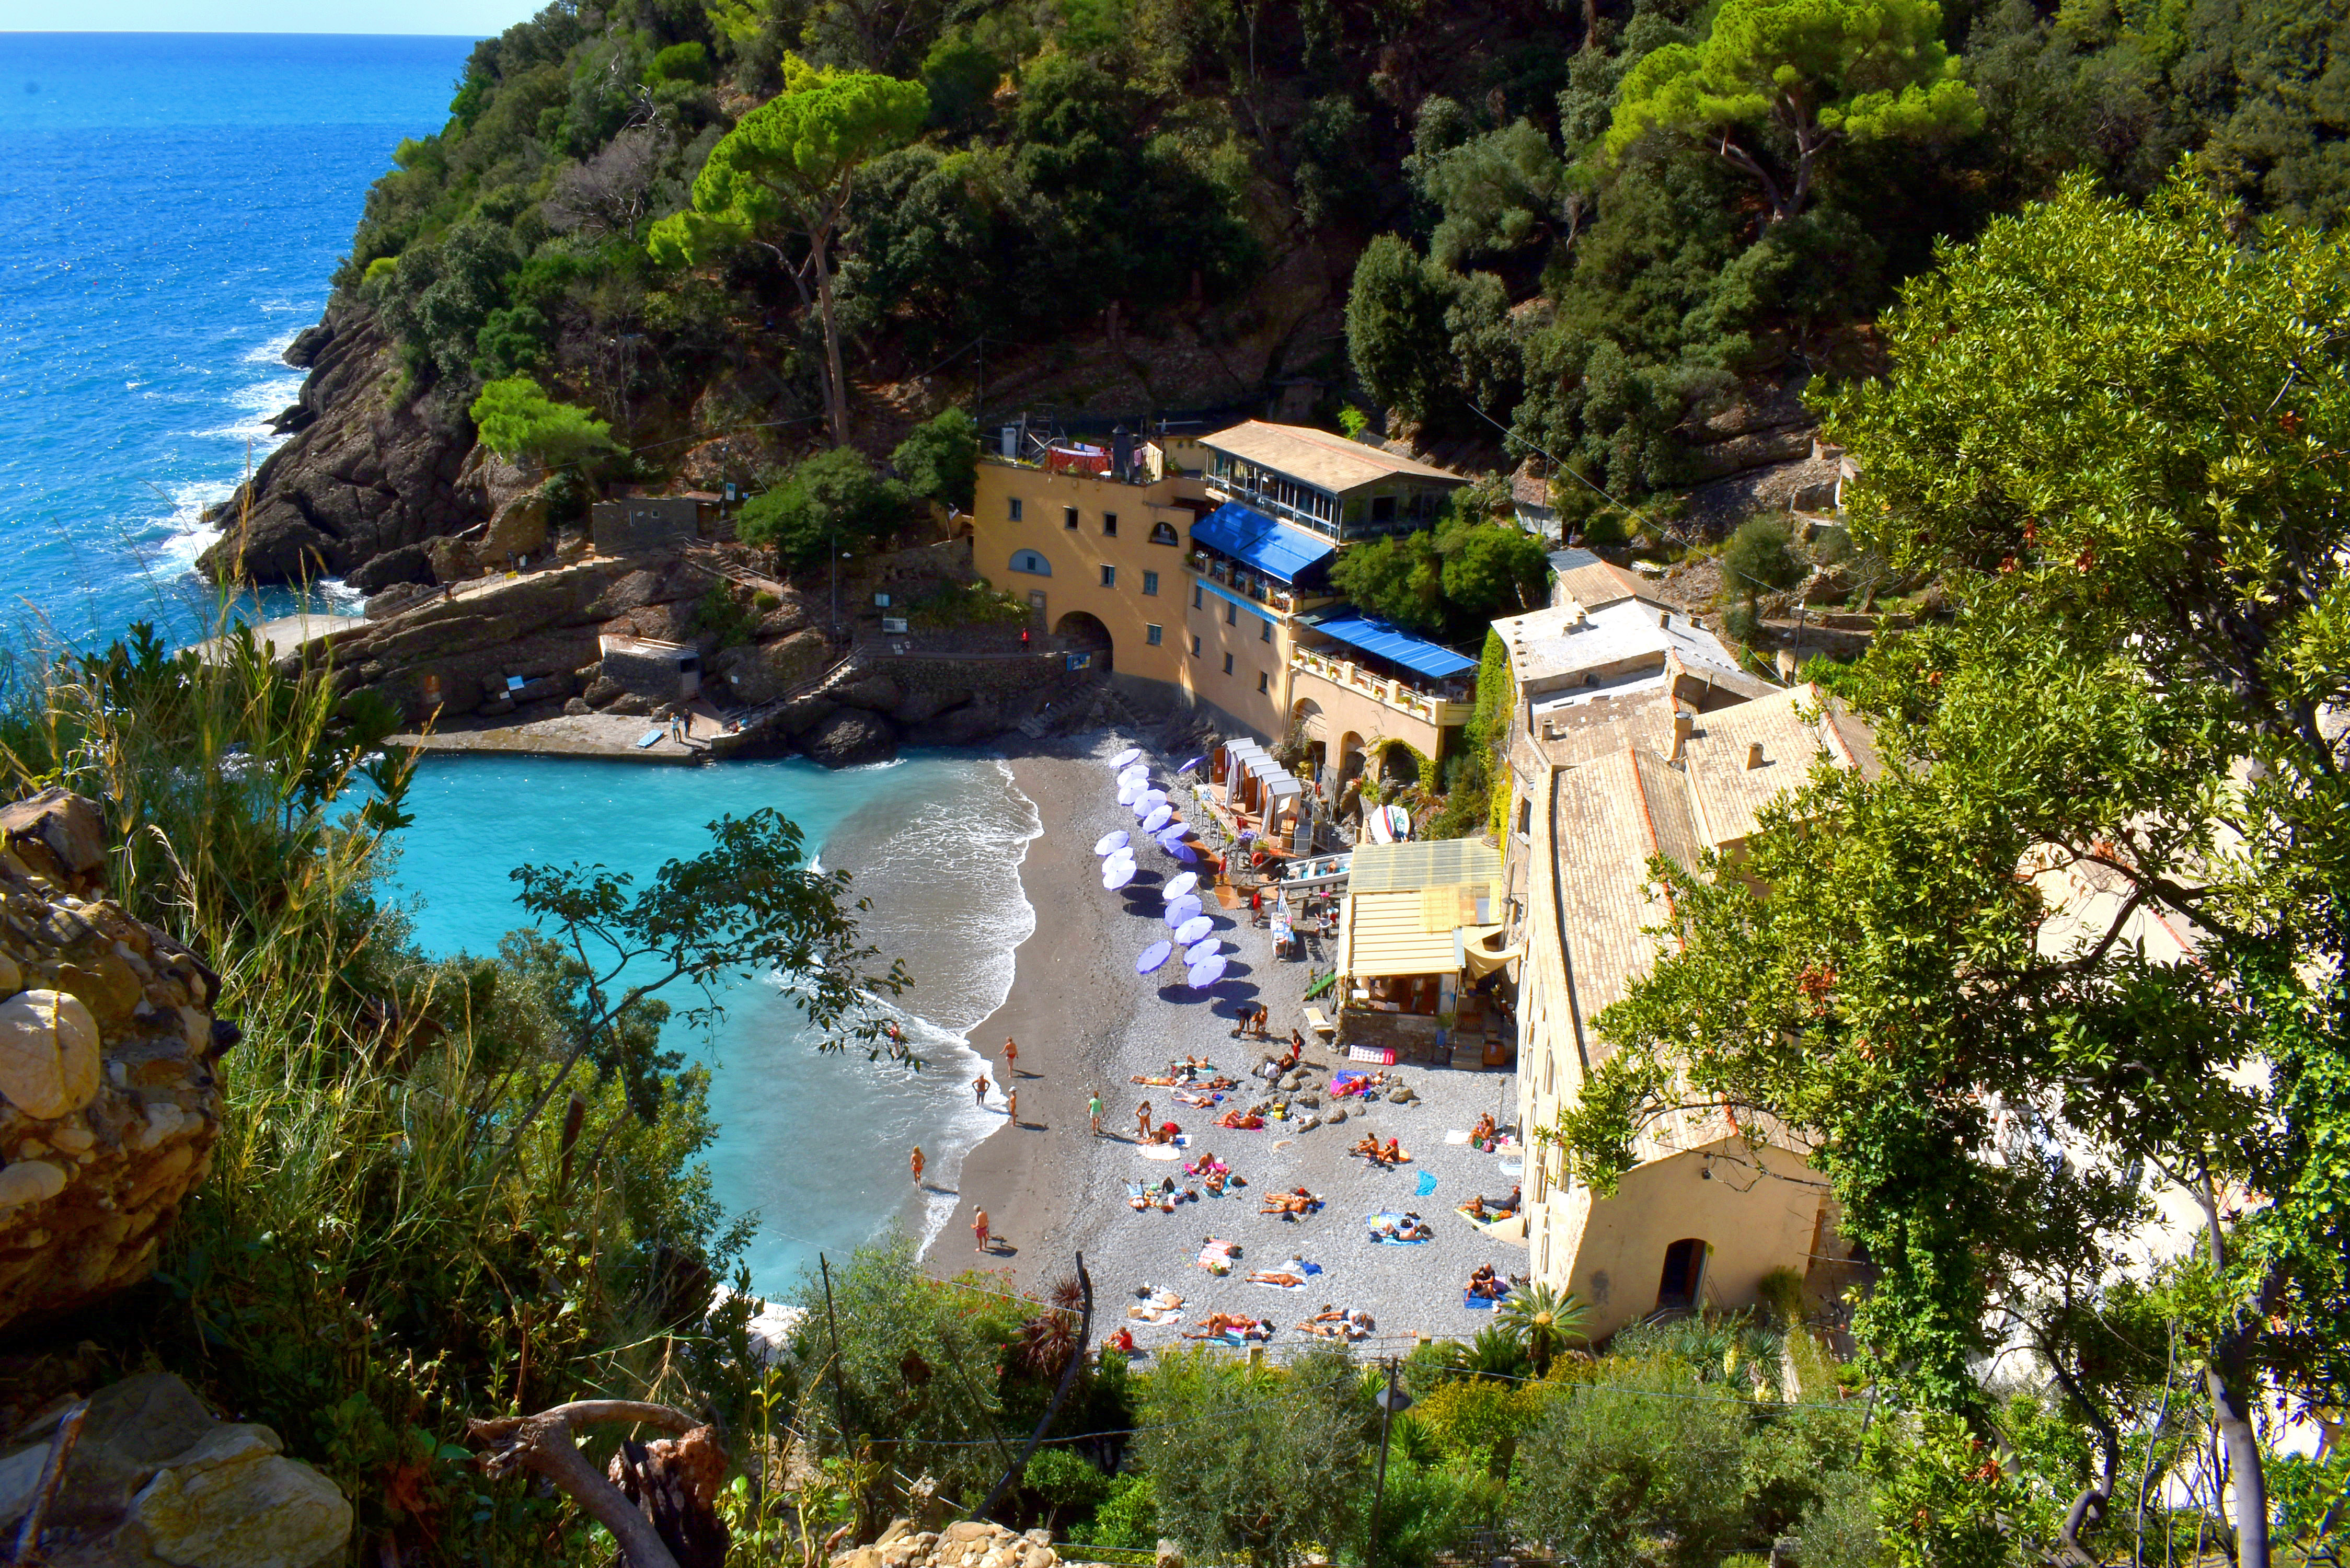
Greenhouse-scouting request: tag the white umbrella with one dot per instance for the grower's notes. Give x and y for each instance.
(1194, 929)
(1204, 975)
(1117, 874)
(1158, 819)
(1181, 909)
(1200, 951)
(1155, 796)
(1118, 857)
(1126, 792)
(1126, 756)
(1179, 885)
(1138, 774)
(1112, 841)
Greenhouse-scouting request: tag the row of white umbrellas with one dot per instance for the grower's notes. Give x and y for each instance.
(1193, 930)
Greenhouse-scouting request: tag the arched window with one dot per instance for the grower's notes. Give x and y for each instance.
(1032, 562)
(1162, 534)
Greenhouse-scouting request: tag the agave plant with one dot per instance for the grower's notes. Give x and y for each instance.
(1542, 1320)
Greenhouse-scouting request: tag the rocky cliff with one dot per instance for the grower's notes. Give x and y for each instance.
(370, 468)
(109, 1103)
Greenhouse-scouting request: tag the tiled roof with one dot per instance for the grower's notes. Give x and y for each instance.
(1793, 728)
(1328, 461)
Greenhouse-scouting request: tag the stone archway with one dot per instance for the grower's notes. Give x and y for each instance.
(1350, 757)
(1398, 763)
(1312, 732)
(1086, 632)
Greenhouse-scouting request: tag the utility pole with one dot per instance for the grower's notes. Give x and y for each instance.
(1389, 1400)
(832, 559)
(839, 1398)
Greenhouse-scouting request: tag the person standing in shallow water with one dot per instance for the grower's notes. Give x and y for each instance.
(978, 1090)
(918, 1165)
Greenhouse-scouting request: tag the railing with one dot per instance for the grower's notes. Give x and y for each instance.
(1428, 707)
(1245, 582)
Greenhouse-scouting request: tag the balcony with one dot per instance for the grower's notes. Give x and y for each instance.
(1431, 708)
(1247, 584)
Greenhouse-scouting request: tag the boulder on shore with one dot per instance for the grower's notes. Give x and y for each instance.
(850, 738)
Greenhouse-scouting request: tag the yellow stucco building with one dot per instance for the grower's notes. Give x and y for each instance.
(1202, 568)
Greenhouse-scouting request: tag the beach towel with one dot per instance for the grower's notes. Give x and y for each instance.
(1157, 1151)
(1426, 1184)
(1269, 1285)
(650, 738)
(1217, 1257)
(1477, 1302)
(1456, 1136)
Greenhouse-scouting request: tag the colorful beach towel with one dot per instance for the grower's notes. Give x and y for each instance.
(1426, 1185)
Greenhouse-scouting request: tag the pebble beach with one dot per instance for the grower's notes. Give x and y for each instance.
(1087, 1022)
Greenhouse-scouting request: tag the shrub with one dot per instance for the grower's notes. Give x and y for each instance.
(939, 460)
(1128, 1515)
(722, 614)
(1761, 556)
(1740, 622)
(834, 497)
(517, 420)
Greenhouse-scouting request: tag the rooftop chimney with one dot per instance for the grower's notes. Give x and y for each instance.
(1682, 724)
(1753, 754)
(1664, 619)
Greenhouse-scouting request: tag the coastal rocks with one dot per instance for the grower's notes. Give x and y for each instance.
(367, 473)
(519, 529)
(1338, 1115)
(850, 738)
(109, 1103)
(155, 1480)
(875, 693)
(408, 564)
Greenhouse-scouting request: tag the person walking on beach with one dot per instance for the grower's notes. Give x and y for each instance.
(978, 1228)
(1142, 1121)
(1011, 1105)
(978, 1090)
(918, 1165)
(1011, 1058)
(1093, 1109)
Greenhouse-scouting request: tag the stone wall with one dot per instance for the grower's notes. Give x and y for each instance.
(109, 1103)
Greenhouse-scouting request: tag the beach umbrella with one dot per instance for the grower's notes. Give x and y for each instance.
(1179, 908)
(1110, 841)
(1155, 796)
(1178, 886)
(1139, 773)
(1205, 974)
(1126, 792)
(1153, 956)
(1157, 820)
(1122, 858)
(1194, 762)
(1200, 951)
(1126, 756)
(1117, 874)
(1181, 851)
(1193, 930)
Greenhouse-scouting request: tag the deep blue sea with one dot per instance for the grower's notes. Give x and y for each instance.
(171, 208)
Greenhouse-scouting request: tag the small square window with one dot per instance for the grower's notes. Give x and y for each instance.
(1109, 577)
(1068, 517)
(1195, 645)
(1109, 524)
(1228, 664)
(1014, 504)
(1264, 682)
(1195, 596)
(1150, 584)
(1154, 635)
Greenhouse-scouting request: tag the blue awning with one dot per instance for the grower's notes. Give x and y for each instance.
(1391, 643)
(1280, 552)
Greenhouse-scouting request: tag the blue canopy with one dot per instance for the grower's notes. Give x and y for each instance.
(1282, 553)
(1392, 643)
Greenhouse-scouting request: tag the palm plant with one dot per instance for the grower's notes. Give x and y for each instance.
(1542, 1320)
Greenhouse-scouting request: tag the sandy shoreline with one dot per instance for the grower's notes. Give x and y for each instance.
(1084, 1021)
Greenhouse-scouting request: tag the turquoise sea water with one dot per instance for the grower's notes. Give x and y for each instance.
(172, 208)
(815, 1146)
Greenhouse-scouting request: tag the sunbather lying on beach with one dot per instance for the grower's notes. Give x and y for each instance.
(1402, 1227)
(1281, 1277)
(1486, 1211)
(1296, 1200)
(1156, 1083)
(1331, 1322)
(1219, 1324)
(1205, 1164)
(1240, 1120)
(1215, 1182)
(1197, 1102)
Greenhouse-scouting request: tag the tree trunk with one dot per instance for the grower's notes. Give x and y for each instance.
(836, 391)
(2223, 1379)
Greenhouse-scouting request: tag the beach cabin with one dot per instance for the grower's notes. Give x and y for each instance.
(1418, 959)
(656, 670)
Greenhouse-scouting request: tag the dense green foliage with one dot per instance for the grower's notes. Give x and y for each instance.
(518, 420)
(939, 460)
(2117, 434)
(835, 498)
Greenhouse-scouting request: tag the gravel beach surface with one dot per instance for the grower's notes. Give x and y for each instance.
(1085, 1023)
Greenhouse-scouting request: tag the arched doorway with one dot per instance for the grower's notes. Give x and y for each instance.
(1313, 732)
(1350, 757)
(1086, 632)
(1398, 763)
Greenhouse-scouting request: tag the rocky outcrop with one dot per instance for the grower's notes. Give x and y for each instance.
(971, 1543)
(109, 1103)
(367, 472)
(153, 1481)
(850, 738)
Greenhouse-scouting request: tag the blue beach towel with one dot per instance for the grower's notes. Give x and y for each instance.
(650, 738)
(1476, 1304)
(1426, 1184)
